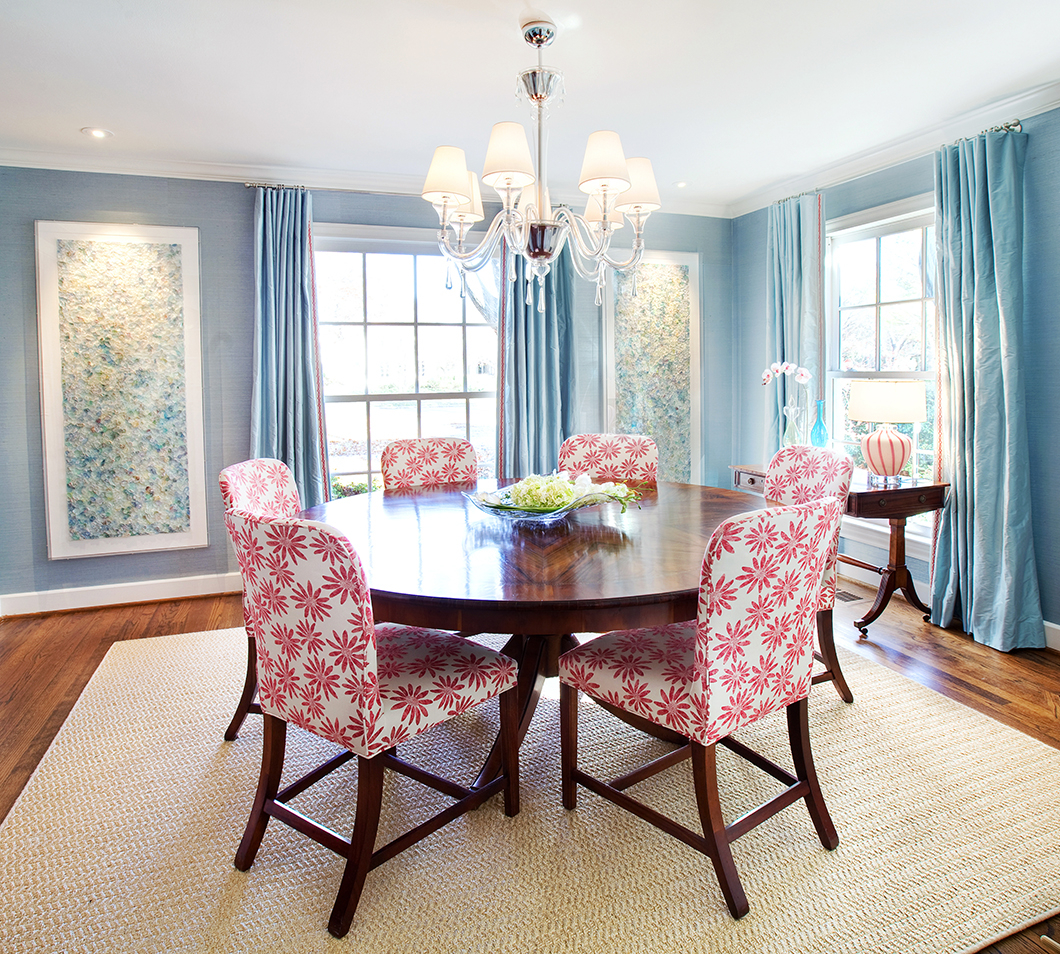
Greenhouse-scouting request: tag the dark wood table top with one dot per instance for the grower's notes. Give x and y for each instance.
(433, 559)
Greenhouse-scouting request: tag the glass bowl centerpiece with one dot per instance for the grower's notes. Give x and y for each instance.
(544, 499)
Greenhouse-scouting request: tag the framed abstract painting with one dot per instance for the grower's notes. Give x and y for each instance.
(652, 359)
(121, 388)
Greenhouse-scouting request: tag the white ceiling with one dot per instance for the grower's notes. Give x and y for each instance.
(745, 101)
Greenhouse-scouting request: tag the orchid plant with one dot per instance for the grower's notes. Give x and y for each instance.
(793, 410)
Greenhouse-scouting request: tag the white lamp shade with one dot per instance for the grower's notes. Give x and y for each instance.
(594, 214)
(447, 177)
(643, 194)
(604, 165)
(470, 211)
(529, 197)
(887, 402)
(508, 163)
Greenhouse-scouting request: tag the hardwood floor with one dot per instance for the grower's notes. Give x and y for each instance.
(45, 662)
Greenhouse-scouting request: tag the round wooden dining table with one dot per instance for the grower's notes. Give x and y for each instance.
(434, 559)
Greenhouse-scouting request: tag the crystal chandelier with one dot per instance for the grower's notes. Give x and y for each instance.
(616, 186)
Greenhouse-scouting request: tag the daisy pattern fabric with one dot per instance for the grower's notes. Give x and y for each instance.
(797, 475)
(428, 462)
(749, 652)
(263, 486)
(323, 664)
(625, 457)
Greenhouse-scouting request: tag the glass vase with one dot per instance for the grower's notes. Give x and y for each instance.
(819, 433)
(793, 425)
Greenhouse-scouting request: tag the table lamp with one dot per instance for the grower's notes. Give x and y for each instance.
(887, 403)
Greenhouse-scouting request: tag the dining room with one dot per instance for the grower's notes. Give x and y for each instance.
(332, 324)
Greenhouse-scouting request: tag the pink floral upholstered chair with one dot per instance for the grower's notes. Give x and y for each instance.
(620, 457)
(263, 486)
(428, 462)
(796, 475)
(749, 653)
(327, 668)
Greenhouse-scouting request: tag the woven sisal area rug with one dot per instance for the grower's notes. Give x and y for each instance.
(124, 838)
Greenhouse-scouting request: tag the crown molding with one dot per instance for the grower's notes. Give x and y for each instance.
(323, 179)
(1023, 105)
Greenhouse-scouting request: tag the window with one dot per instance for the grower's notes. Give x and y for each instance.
(881, 317)
(402, 355)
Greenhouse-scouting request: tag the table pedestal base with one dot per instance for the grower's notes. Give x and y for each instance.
(896, 576)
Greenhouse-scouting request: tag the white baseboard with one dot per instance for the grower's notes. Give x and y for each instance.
(145, 591)
(856, 573)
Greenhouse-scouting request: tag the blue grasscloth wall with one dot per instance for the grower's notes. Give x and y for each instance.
(223, 214)
(1041, 271)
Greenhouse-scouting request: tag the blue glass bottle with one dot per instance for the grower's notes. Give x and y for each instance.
(819, 434)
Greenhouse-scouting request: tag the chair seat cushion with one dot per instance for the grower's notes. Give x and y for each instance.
(425, 677)
(644, 671)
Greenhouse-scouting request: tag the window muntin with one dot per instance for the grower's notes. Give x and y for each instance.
(402, 356)
(882, 323)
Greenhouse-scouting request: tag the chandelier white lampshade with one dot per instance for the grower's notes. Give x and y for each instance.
(594, 214)
(529, 198)
(508, 163)
(470, 212)
(642, 196)
(446, 182)
(604, 166)
(886, 450)
(530, 226)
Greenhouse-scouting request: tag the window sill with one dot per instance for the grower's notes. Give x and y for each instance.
(877, 533)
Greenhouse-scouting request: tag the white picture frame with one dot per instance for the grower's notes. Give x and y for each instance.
(121, 388)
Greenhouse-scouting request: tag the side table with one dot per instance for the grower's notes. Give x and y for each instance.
(895, 504)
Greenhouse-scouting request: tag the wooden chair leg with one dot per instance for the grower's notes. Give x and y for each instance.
(510, 713)
(705, 777)
(362, 844)
(826, 643)
(802, 757)
(250, 686)
(274, 744)
(568, 743)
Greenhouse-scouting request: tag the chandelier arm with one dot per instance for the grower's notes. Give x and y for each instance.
(636, 253)
(475, 258)
(584, 237)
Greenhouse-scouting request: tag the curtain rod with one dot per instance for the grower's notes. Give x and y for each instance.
(280, 185)
(1014, 126)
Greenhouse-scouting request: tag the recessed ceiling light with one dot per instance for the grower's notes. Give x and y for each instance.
(96, 132)
(680, 185)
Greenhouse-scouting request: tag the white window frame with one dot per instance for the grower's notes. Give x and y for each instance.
(913, 212)
(340, 237)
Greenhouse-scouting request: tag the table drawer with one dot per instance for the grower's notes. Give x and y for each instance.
(898, 502)
(749, 481)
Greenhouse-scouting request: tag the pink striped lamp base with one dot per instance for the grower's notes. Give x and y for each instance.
(886, 451)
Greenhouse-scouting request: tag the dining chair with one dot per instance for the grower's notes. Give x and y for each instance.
(266, 487)
(328, 669)
(749, 653)
(795, 475)
(617, 457)
(428, 462)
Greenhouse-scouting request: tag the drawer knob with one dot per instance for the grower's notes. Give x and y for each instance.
(922, 498)
(883, 503)
(751, 480)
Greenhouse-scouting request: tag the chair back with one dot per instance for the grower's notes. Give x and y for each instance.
(428, 462)
(617, 457)
(799, 474)
(757, 614)
(306, 592)
(263, 486)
